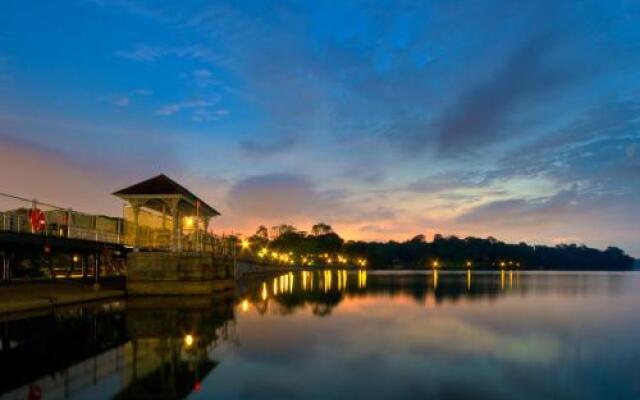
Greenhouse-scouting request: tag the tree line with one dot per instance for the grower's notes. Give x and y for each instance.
(445, 252)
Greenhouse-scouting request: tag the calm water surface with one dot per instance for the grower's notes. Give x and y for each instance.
(343, 335)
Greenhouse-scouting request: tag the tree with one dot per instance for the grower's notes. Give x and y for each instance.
(321, 229)
(282, 229)
(262, 232)
(419, 238)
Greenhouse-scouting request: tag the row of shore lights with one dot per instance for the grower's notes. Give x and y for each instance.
(503, 264)
(289, 258)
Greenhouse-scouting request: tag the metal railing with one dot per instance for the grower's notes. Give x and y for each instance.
(67, 223)
(58, 221)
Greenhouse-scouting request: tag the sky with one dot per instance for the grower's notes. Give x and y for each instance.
(386, 119)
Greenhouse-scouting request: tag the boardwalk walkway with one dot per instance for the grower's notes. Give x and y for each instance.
(28, 296)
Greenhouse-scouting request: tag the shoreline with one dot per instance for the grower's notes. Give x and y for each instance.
(24, 297)
(38, 296)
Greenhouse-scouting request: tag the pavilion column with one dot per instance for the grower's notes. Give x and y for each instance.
(136, 216)
(176, 236)
(205, 220)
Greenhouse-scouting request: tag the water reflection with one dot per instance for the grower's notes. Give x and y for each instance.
(294, 290)
(435, 334)
(148, 348)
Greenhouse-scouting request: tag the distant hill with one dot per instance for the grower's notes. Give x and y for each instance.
(637, 264)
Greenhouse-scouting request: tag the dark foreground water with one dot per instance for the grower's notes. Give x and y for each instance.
(344, 335)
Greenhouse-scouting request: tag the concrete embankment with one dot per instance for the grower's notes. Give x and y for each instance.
(165, 273)
(30, 296)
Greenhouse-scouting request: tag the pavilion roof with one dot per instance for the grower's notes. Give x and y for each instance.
(163, 186)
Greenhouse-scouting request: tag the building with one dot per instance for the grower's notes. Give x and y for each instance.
(162, 214)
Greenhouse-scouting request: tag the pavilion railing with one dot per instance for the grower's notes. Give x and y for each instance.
(57, 221)
(64, 222)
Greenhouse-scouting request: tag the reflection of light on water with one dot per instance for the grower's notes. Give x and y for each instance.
(435, 278)
(245, 305)
(344, 278)
(327, 280)
(290, 282)
(468, 279)
(502, 279)
(275, 286)
(188, 340)
(510, 279)
(264, 293)
(362, 279)
(304, 280)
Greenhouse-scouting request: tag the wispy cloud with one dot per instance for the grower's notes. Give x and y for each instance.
(201, 110)
(125, 100)
(266, 147)
(204, 78)
(151, 54)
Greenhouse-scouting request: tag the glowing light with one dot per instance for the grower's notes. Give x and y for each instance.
(264, 293)
(245, 305)
(76, 258)
(188, 222)
(468, 264)
(188, 340)
(245, 244)
(436, 264)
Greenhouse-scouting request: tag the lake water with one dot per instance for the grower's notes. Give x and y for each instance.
(345, 335)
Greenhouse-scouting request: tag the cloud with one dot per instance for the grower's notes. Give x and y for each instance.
(204, 78)
(150, 54)
(202, 110)
(54, 178)
(125, 100)
(266, 148)
(517, 212)
(450, 180)
(202, 114)
(121, 101)
(142, 92)
(273, 196)
(480, 114)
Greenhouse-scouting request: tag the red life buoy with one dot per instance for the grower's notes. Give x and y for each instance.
(37, 219)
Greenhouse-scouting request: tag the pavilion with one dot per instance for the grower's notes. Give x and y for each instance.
(173, 202)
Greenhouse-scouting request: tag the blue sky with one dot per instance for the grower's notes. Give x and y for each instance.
(386, 119)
